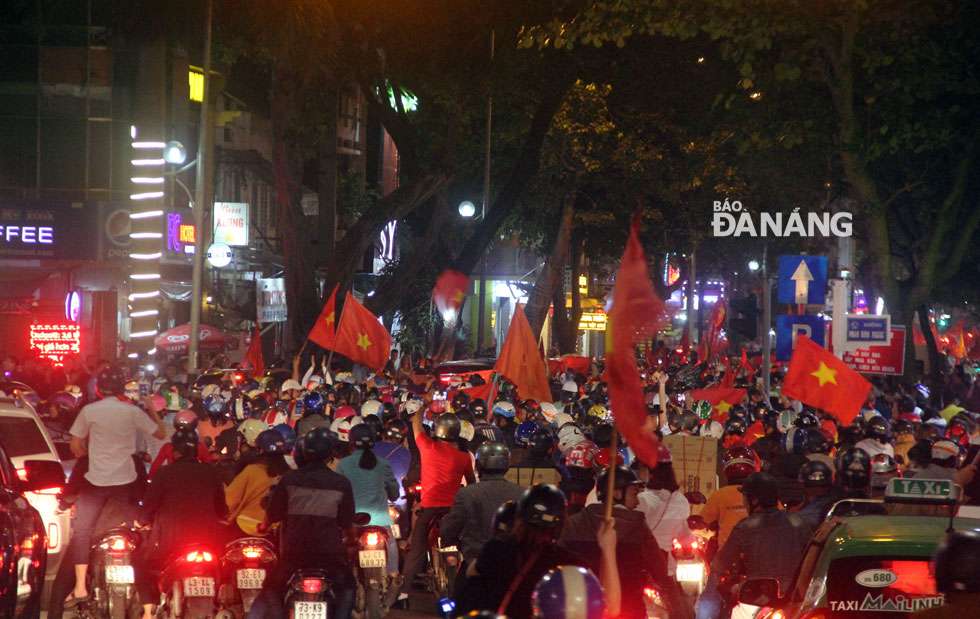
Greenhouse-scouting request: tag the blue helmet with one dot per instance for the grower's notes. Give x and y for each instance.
(795, 441)
(214, 405)
(523, 432)
(288, 434)
(566, 592)
(314, 403)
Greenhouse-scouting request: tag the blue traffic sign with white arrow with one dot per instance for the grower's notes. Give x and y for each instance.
(802, 280)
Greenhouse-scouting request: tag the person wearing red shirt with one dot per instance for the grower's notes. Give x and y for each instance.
(444, 467)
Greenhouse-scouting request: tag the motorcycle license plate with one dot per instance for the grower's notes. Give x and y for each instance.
(119, 574)
(449, 549)
(690, 572)
(310, 610)
(396, 531)
(372, 558)
(251, 578)
(197, 587)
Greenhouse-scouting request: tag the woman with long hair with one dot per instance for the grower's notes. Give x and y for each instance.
(247, 490)
(664, 506)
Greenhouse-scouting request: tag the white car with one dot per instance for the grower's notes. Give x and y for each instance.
(24, 437)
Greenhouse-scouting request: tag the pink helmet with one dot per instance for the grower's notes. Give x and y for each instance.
(344, 411)
(185, 419)
(159, 402)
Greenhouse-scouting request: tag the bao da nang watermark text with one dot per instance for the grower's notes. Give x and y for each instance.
(730, 218)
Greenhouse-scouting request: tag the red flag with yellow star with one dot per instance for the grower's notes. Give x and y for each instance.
(324, 331)
(361, 337)
(820, 379)
(721, 399)
(449, 292)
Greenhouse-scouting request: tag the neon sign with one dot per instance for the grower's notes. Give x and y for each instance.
(180, 236)
(56, 341)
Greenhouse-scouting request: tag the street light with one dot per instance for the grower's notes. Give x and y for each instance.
(754, 265)
(467, 209)
(175, 153)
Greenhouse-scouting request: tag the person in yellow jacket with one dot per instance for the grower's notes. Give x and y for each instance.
(245, 494)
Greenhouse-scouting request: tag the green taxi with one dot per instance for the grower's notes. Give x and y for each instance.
(872, 565)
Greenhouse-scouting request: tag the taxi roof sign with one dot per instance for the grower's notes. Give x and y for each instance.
(913, 490)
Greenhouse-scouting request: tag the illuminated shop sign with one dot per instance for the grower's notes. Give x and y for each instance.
(180, 236)
(55, 342)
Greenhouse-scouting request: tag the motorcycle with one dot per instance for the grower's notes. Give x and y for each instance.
(371, 570)
(308, 595)
(112, 592)
(243, 572)
(188, 583)
(653, 600)
(692, 566)
(444, 562)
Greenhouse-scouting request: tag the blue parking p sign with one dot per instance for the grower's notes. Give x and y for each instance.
(802, 280)
(788, 326)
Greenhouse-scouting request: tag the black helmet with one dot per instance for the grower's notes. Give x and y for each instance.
(492, 458)
(735, 426)
(374, 422)
(689, 420)
(673, 420)
(317, 445)
(816, 474)
(817, 442)
(903, 426)
(854, 469)
(503, 519)
(762, 487)
(270, 441)
(446, 427)
(396, 430)
(388, 411)
(478, 407)
(185, 442)
(602, 435)
(877, 429)
(541, 442)
(361, 436)
(542, 505)
(460, 400)
(807, 420)
(299, 453)
(111, 380)
(314, 403)
(957, 563)
(625, 476)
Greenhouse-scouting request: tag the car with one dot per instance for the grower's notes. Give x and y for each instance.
(22, 535)
(24, 437)
(870, 558)
(451, 369)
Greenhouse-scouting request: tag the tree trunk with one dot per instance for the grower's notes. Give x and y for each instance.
(539, 298)
(932, 347)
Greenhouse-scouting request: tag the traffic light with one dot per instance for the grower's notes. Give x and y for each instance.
(745, 318)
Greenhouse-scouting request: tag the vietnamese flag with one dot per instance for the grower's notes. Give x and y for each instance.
(324, 331)
(635, 314)
(521, 362)
(253, 356)
(745, 365)
(449, 292)
(361, 338)
(721, 399)
(820, 379)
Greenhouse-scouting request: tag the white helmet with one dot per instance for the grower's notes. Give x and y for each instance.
(413, 406)
(132, 390)
(568, 437)
(210, 390)
(504, 409)
(548, 411)
(314, 382)
(466, 430)
(570, 386)
(291, 384)
(341, 427)
(712, 429)
(561, 419)
(371, 407)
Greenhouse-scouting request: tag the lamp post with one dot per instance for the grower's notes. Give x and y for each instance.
(766, 316)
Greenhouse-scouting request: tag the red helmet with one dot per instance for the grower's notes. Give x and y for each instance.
(581, 455)
(603, 458)
(739, 462)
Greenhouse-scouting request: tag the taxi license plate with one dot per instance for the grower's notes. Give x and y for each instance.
(119, 574)
(396, 531)
(310, 610)
(690, 572)
(372, 558)
(251, 578)
(199, 587)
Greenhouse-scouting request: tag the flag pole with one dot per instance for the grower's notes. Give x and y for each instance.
(611, 482)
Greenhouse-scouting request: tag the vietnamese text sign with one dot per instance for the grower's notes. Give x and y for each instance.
(867, 330)
(56, 341)
(231, 223)
(887, 359)
(270, 296)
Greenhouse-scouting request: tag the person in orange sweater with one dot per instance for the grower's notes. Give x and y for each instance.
(725, 507)
(245, 494)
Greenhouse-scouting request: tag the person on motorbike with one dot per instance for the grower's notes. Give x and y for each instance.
(249, 488)
(664, 506)
(373, 484)
(316, 508)
(314, 413)
(640, 559)
(469, 522)
(217, 421)
(183, 505)
(110, 427)
(817, 480)
(725, 507)
(392, 448)
(444, 466)
(184, 419)
(768, 543)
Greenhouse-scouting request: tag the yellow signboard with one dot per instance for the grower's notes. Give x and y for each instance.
(196, 82)
(592, 321)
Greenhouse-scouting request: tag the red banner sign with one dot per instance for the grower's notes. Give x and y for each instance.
(888, 359)
(56, 341)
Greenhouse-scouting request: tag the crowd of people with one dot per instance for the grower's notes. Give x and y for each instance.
(520, 486)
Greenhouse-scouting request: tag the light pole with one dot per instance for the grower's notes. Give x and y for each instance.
(766, 316)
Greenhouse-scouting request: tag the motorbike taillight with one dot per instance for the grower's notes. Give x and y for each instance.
(651, 593)
(199, 556)
(677, 544)
(118, 547)
(252, 552)
(311, 585)
(393, 513)
(372, 539)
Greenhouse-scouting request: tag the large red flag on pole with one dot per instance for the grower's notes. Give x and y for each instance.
(253, 356)
(449, 292)
(520, 361)
(820, 379)
(324, 331)
(635, 314)
(361, 337)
